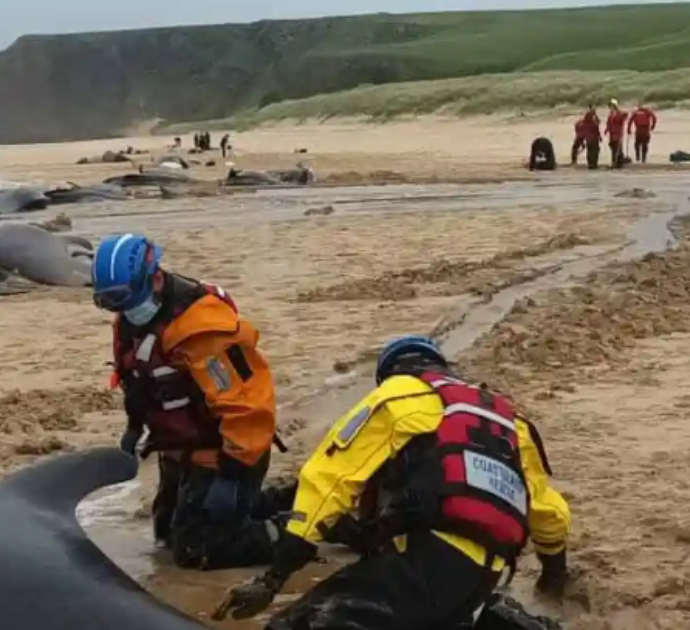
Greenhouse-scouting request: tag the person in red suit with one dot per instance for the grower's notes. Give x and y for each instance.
(592, 135)
(615, 130)
(644, 120)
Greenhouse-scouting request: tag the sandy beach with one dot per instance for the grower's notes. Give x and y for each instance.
(594, 347)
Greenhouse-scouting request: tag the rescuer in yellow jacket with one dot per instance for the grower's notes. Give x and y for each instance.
(437, 483)
(192, 376)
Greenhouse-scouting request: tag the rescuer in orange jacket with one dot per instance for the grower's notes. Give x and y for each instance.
(615, 129)
(439, 485)
(592, 133)
(644, 120)
(579, 141)
(192, 375)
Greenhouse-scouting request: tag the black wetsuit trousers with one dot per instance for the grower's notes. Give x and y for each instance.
(616, 147)
(641, 147)
(593, 148)
(181, 522)
(431, 586)
(578, 144)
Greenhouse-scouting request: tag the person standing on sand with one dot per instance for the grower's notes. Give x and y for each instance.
(615, 129)
(438, 485)
(191, 374)
(224, 145)
(644, 120)
(591, 128)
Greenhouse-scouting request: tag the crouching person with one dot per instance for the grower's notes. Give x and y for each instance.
(437, 483)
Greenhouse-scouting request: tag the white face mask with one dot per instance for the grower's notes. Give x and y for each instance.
(142, 314)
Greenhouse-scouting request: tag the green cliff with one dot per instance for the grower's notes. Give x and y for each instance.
(100, 84)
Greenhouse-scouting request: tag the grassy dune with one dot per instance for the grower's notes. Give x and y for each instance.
(515, 92)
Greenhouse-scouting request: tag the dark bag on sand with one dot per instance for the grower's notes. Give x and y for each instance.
(678, 157)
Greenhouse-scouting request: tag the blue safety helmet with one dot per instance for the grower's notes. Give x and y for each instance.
(122, 271)
(408, 346)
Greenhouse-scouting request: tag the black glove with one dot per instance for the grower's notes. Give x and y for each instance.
(249, 599)
(130, 438)
(292, 554)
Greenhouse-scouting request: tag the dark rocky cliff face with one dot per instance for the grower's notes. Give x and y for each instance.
(67, 87)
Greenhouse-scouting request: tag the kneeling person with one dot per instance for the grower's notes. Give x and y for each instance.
(438, 483)
(192, 375)
(542, 156)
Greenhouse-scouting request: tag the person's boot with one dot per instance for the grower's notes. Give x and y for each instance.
(554, 573)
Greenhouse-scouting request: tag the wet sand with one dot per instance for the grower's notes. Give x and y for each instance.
(600, 367)
(485, 147)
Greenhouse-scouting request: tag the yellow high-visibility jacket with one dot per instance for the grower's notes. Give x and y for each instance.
(374, 432)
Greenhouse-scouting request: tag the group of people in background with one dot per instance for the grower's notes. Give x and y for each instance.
(588, 136)
(202, 141)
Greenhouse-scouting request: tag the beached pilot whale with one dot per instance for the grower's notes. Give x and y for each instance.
(55, 578)
(22, 199)
(73, 193)
(44, 257)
